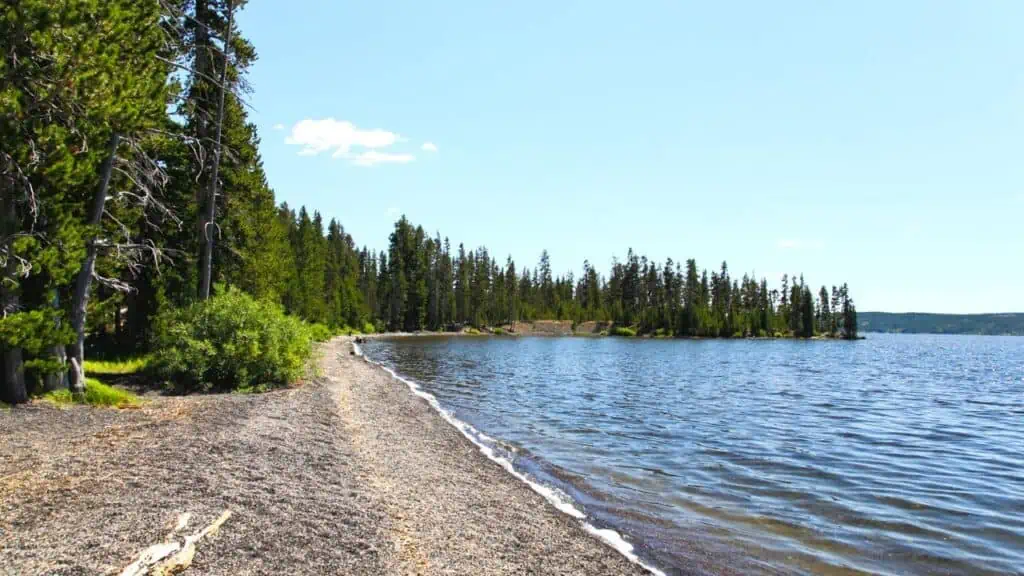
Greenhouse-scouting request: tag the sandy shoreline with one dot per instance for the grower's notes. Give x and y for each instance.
(349, 474)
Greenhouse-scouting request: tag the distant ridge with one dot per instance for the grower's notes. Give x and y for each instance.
(1009, 324)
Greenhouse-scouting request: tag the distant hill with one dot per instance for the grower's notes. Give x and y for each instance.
(921, 323)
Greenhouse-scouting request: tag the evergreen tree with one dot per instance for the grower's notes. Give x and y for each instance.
(824, 312)
(806, 312)
(849, 314)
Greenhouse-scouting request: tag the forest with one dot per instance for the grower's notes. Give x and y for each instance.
(133, 196)
(921, 323)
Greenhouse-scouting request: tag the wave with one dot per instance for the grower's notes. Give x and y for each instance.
(557, 499)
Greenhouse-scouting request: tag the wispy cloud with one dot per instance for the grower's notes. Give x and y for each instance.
(372, 157)
(788, 244)
(328, 134)
(344, 140)
(278, 127)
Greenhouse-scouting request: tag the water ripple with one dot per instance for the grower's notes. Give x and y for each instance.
(896, 455)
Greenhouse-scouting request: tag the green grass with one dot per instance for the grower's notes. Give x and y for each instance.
(473, 332)
(96, 394)
(623, 331)
(498, 331)
(119, 368)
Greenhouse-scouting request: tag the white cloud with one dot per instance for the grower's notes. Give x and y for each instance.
(279, 127)
(318, 136)
(429, 147)
(788, 244)
(372, 157)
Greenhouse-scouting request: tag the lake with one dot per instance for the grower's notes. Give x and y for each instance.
(899, 454)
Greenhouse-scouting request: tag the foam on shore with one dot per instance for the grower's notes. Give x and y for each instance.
(559, 500)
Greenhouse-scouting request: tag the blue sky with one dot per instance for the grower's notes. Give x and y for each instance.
(875, 143)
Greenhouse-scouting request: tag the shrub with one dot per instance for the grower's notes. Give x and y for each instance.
(498, 331)
(231, 341)
(320, 332)
(623, 331)
(369, 328)
(96, 394)
(761, 333)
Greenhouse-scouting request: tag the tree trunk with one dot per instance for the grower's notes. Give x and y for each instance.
(208, 222)
(82, 283)
(12, 375)
(58, 380)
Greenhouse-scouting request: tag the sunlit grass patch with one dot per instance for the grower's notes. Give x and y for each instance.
(120, 367)
(96, 394)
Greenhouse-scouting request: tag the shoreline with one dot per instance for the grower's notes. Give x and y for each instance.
(349, 473)
(559, 501)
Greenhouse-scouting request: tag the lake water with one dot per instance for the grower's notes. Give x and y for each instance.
(898, 454)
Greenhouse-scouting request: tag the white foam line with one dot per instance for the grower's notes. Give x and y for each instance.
(563, 504)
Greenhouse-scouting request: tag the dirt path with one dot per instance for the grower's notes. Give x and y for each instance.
(452, 510)
(279, 461)
(350, 474)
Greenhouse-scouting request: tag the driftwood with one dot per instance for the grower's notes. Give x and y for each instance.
(173, 557)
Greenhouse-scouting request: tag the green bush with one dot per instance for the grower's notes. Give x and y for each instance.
(320, 332)
(96, 394)
(498, 331)
(623, 331)
(231, 341)
(369, 328)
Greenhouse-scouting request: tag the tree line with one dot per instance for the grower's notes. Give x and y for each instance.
(423, 283)
(131, 183)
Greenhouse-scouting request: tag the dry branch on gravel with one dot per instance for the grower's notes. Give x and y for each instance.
(172, 557)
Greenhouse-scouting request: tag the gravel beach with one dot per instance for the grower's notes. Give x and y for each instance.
(348, 474)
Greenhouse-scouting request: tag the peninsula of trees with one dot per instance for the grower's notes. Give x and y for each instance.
(423, 283)
(131, 182)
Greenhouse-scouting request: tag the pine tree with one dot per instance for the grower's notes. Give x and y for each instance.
(824, 312)
(806, 312)
(849, 314)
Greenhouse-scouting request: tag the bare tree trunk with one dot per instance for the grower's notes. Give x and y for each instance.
(59, 380)
(207, 229)
(81, 296)
(12, 374)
